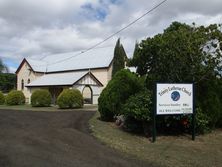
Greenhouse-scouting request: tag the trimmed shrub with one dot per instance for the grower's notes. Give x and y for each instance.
(139, 106)
(70, 98)
(137, 111)
(15, 97)
(119, 89)
(2, 98)
(41, 98)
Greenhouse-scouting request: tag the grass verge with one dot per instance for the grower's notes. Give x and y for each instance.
(27, 107)
(180, 151)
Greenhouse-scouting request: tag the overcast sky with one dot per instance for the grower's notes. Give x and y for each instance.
(34, 28)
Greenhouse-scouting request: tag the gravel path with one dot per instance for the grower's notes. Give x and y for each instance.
(54, 139)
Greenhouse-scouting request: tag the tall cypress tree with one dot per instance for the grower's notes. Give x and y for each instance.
(133, 62)
(119, 57)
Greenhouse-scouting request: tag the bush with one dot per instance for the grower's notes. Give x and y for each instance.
(70, 98)
(202, 122)
(137, 111)
(139, 106)
(119, 89)
(183, 123)
(2, 98)
(41, 98)
(209, 101)
(132, 125)
(173, 124)
(15, 97)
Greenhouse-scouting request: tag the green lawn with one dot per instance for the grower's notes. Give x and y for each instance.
(52, 108)
(170, 151)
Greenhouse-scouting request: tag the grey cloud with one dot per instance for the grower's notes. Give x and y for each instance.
(177, 8)
(36, 28)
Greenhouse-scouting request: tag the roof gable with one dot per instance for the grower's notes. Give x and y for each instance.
(37, 65)
(89, 79)
(21, 65)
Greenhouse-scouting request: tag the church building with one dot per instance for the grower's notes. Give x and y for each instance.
(88, 72)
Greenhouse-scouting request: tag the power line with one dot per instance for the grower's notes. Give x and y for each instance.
(112, 35)
(117, 32)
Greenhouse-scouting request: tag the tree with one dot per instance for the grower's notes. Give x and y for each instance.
(119, 89)
(7, 82)
(119, 57)
(3, 68)
(185, 54)
(133, 62)
(182, 53)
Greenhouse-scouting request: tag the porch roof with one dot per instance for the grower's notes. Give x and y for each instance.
(58, 79)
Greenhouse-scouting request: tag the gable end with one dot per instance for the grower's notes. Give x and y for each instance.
(21, 65)
(87, 81)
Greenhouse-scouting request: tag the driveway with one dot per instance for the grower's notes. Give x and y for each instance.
(54, 139)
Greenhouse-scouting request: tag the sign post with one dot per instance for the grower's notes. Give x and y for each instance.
(174, 99)
(154, 127)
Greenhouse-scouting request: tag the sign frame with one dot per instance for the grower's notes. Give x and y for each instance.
(155, 115)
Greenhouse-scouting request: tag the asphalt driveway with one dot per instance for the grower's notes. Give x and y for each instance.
(54, 139)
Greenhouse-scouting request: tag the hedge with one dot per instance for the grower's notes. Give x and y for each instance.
(2, 98)
(139, 106)
(41, 98)
(119, 89)
(70, 98)
(15, 97)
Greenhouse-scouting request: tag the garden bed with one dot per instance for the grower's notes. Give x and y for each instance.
(180, 151)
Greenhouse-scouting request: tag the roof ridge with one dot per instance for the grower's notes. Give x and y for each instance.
(78, 51)
(97, 58)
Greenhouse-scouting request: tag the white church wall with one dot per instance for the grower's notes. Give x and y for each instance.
(25, 74)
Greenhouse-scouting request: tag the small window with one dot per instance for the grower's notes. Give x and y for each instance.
(22, 85)
(28, 81)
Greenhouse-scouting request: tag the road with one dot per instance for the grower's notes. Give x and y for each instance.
(54, 139)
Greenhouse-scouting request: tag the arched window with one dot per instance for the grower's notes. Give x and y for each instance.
(28, 81)
(22, 85)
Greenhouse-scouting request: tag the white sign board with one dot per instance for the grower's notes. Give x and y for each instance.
(174, 99)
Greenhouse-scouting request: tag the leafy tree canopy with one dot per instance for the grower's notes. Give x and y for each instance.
(7, 82)
(182, 53)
